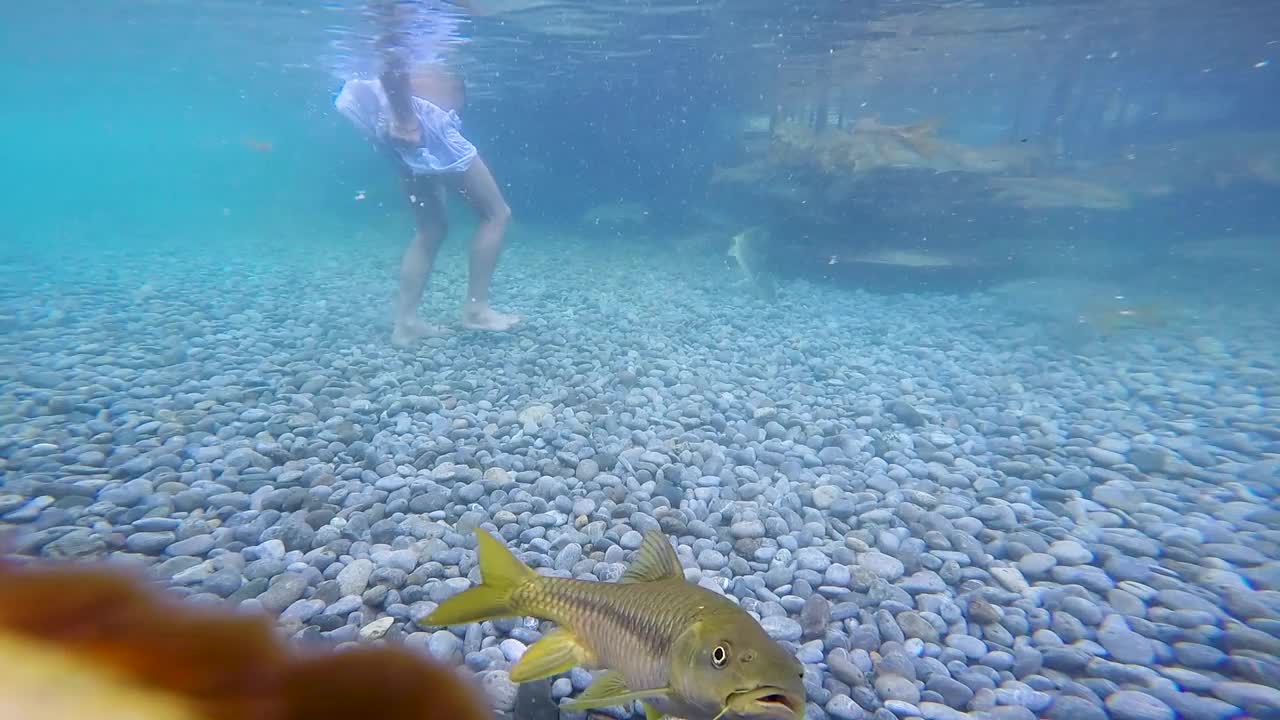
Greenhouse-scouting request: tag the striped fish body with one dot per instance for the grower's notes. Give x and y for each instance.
(628, 627)
(679, 648)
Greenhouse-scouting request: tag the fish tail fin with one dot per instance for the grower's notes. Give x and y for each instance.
(501, 573)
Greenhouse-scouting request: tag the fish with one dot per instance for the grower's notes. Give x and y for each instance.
(680, 649)
(534, 702)
(95, 640)
(814, 617)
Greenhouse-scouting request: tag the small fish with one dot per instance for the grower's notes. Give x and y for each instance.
(679, 648)
(814, 617)
(533, 702)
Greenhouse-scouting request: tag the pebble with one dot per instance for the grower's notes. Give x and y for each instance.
(915, 626)
(1259, 700)
(896, 687)
(149, 543)
(1134, 705)
(354, 577)
(1011, 579)
(282, 593)
(1103, 457)
(971, 647)
(1070, 552)
(444, 646)
(883, 566)
(1123, 644)
(939, 711)
(924, 581)
(812, 559)
(953, 516)
(198, 545)
(842, 707)
(1071, 707)
(1036, 564)
(512, 650)
(782, 628)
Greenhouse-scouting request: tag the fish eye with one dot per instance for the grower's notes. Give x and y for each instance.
(720, 656)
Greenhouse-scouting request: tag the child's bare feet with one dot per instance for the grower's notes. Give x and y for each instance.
(409, 332)
(483, 317)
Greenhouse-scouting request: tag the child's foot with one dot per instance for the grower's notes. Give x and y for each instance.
(485, 318)
(406, 334)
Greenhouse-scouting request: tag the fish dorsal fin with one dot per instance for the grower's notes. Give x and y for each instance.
(655, 560)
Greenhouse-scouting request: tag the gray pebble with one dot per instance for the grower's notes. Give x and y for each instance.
(1260, 700)
(1070, 552)
(1135, 705)
(782, 628)
(971, 647)
(939, 711)
(354, 577)
(149, 543)
(198, 545)
(1071, 707)
(954, 694)
(883, 566)
(896, 687)
(842, 707)
(282, 593)
(631, 539)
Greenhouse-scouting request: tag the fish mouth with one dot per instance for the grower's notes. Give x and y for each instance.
(768, 701)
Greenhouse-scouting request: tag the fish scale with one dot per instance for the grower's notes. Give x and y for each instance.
(654, 630)
(616, 619)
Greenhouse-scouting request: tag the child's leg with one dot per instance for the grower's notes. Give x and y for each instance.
(482, 193)
(426, 196)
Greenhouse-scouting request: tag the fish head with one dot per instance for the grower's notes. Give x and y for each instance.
(727, 664)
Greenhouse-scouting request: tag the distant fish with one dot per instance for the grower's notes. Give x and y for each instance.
(262, 146)
(814, 617)
(534, 702)
(678, 647)
(749, 250)
(86, 641)
(669, 490)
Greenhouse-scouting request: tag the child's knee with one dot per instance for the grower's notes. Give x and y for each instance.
(499, 213)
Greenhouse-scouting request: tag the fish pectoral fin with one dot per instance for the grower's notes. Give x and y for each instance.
(608, 690)
(651, 713)
(558, 651)
(655, 560)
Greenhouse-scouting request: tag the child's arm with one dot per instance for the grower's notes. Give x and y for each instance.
(395, 71)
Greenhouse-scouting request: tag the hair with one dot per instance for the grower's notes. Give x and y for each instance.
(439, 85)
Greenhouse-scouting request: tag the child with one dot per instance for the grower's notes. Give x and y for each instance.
(412, 113)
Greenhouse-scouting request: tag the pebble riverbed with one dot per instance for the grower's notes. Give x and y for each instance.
(944, 511)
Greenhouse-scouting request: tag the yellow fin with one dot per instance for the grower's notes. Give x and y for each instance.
(608, 690)
(650, 713)
(558, 651)
(655, 560)
(500, 574)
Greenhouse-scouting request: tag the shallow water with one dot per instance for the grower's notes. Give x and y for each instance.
(1044, 489)
(900, 455)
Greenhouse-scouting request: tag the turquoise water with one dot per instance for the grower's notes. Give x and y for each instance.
(941, 337)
